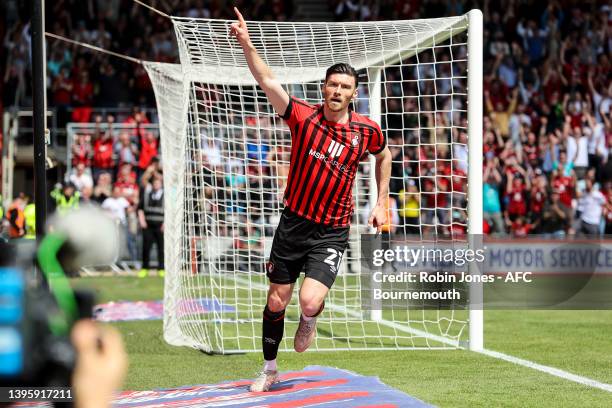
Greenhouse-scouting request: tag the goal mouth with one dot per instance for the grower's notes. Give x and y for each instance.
(225, 154)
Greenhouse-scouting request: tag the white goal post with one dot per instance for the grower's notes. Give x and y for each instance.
(225, 159)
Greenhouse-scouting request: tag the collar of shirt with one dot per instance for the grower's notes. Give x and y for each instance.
(335, 124)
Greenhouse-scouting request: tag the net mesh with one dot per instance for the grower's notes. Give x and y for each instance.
(225, 158)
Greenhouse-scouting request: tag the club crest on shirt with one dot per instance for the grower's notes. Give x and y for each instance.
(355, 138)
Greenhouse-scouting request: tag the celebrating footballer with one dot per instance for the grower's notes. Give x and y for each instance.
(327, 143)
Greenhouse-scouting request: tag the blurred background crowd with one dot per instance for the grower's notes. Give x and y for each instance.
(547, 125)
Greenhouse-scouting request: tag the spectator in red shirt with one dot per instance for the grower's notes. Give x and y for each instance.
(493, 142)
(538, 195)
(80, 66)
(516, 191)
(137, 117)
(510, 156)
(498, 94)
(148, 148)
(82, 151)
(126, 181)
(459, 226)
(564, 185)
(103, 160)
(62, 95)
(82, 98)
(575, 106)
(62, 88)
(573, 71)
(530, 150)
(553, 81)
(520, 228)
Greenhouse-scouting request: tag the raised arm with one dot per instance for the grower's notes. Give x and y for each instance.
(488, 103)
(525, 176)
(509, 183)
(277, 96)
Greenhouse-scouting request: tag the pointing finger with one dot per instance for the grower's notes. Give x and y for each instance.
(240, 18)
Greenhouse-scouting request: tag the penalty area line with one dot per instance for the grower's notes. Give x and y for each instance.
(549, 370)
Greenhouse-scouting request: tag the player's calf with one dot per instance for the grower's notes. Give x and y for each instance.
(272, 333)
(307, 330)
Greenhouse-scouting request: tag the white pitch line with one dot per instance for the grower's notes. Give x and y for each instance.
(490, 353)
(549, 370)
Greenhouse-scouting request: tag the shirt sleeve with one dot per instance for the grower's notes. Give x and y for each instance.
(297, 111)
(377, 141)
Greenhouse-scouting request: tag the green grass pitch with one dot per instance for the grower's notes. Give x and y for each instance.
(577, 341)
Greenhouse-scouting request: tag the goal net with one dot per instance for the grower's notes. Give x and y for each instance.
(225, 156)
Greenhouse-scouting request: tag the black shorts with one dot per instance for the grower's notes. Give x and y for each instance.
(300, 244)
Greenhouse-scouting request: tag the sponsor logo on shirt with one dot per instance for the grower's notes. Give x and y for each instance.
(330, 159)
(335, 149)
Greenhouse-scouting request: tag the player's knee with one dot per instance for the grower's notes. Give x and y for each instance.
(311, 306)
(276, 303)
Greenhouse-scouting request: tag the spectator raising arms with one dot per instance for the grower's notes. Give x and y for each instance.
(103, 160)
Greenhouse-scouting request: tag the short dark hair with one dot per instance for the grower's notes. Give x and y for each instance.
(342, 68)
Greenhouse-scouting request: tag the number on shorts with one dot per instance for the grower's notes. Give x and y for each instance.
(333, 259)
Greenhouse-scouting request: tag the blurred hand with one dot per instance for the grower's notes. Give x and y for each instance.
(240, 30)
(101, 364)
(378, 217)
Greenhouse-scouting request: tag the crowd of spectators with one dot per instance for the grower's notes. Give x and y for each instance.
(79, 80)
(110, 168)
(113, 167)
(547, 125)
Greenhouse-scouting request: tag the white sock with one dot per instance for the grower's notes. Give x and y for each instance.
(307, 318)
(270, 365)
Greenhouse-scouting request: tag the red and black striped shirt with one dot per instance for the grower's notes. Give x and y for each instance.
(324, 160)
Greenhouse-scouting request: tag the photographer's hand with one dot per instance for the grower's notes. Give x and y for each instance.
(101, 364)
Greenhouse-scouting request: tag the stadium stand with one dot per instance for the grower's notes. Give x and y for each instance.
(548, 97)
